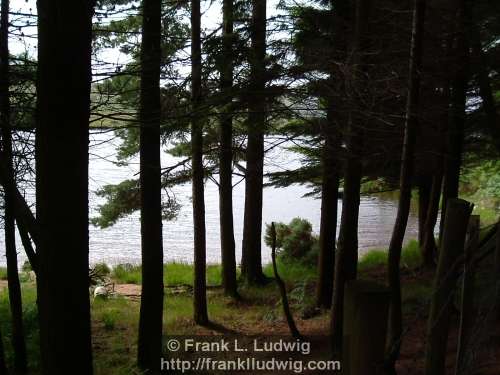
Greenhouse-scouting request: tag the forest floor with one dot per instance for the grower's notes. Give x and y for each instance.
(257, 314)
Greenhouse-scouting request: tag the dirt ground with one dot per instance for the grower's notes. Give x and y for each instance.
(485, 360)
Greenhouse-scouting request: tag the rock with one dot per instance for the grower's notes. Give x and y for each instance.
(100, 292)
(31, 276)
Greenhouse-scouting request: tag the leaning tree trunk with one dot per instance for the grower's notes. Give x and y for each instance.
(226, 156)
(16, 304)
(328, 222)
(406, 175)
(428, 245)
(252, 221)
(200, 287)
(151, 312)
(347, 253)
(62, 133)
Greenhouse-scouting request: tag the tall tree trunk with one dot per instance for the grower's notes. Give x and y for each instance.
(455, 136)
(347, 258)
(428, 246)
(424, 197)
(16, 304)
(330, 159)
(151, 313)
(405, 183)
(200, 287)
(485, 91)
(252, 221)
(328, 222)
(63, 110)
(226, 156)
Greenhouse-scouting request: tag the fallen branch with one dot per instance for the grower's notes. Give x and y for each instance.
(284, 299)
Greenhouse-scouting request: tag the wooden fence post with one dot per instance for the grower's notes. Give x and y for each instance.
(366, 306)
(452, 246)
(467, 301)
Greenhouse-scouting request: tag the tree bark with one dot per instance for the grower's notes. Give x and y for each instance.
(200, 287)
(226, 157)
(62, 138)
(330, 160)
(424, 198)
(428, 246)
(28, 247)
(151, 312)
(254, 176)
(328, 221)
(455, 136)
(15, 300)
(483, 79)
(347, 248)
(405, 184)
(456, 221)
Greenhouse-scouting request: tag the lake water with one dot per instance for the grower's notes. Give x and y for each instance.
(121, 242)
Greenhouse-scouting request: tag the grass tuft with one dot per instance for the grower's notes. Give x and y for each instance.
(410, 257)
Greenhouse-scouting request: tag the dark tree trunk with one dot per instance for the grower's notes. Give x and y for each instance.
(328, 222)
(347, 247)
(405, 185)
(330, 161)
(16, 304)
(441, 309)
(151, 313)
(455, 136)
(226, 157)
(28, 247)
(483, 78)
(424, 197)
(347, 258)
(200, 287)
(252, 221)
(62, 134)
(428, 246)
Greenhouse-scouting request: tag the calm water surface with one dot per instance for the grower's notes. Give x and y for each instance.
(121, 242)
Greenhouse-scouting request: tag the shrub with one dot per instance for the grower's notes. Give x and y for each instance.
(99, 274)
(26, 266)
(294, 240)
(101, 269)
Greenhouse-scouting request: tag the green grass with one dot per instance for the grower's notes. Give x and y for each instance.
(410, 257)
(173, 273)
(291, 271)
(30, 318)
(3, 273)
(115, 320)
